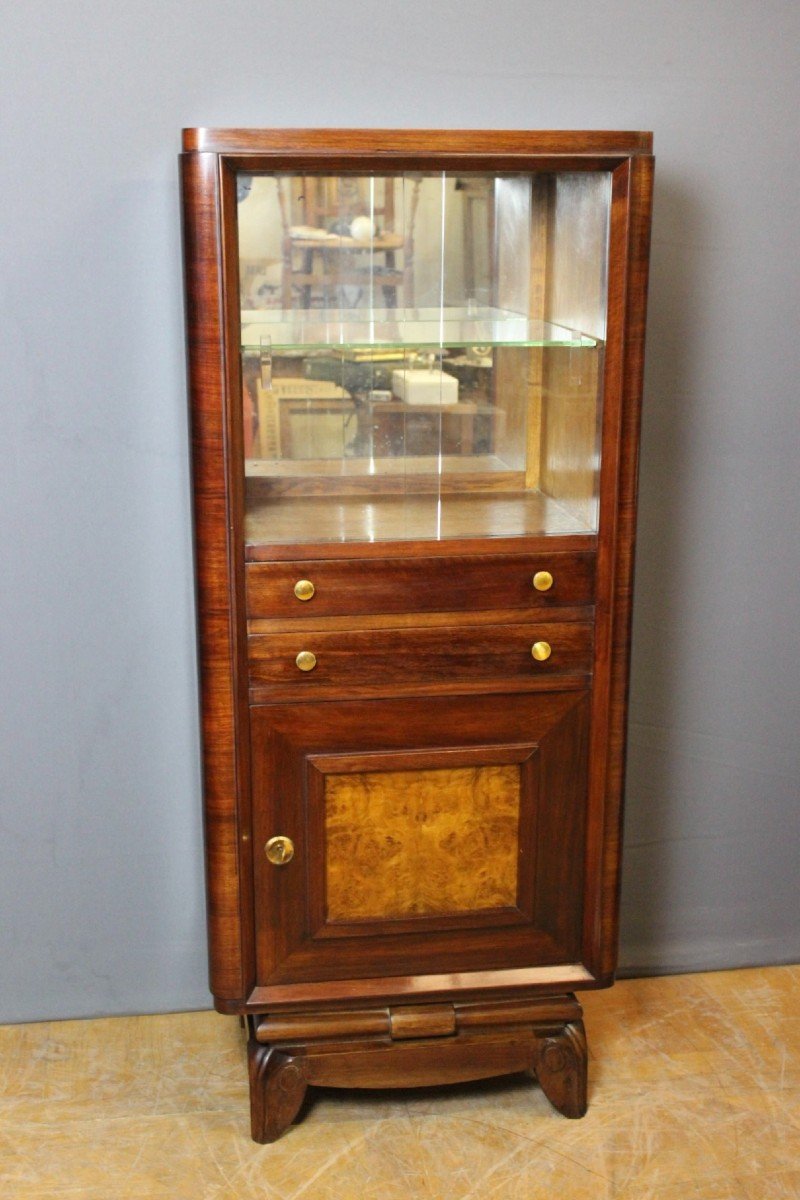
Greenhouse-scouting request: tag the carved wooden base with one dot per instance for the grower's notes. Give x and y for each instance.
(277, 1087)
(560, 1067)
(414, 1046)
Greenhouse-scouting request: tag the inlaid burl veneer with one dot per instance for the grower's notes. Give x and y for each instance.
(421, 842)
(415, 366)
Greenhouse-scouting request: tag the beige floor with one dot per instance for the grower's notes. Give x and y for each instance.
(694, 1095)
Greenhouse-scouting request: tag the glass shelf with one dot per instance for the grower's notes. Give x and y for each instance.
(399, 329)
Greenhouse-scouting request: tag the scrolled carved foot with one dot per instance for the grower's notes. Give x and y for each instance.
(560, 1067)
(277, 1087)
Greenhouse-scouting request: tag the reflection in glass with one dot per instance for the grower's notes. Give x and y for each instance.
(421, 354)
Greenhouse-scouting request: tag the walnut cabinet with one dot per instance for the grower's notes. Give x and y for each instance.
(415, 364)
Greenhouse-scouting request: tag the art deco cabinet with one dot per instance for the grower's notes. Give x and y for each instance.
(415, 367)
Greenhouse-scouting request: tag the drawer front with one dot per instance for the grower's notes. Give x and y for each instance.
(410, 585)
(431, 660)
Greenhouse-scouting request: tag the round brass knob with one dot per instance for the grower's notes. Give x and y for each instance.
(279, 850)
(304, 589)
(543, 581)
(306, 661)
(541, 651)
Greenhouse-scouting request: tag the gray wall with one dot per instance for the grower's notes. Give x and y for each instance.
(100, 838)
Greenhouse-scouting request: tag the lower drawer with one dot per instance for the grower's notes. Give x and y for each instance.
(431, 660)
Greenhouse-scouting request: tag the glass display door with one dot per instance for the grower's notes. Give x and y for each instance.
(421, 354)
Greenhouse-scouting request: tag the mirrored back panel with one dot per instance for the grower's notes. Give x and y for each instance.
(421, 354)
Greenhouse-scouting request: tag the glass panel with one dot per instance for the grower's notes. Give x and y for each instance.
(415, 843)
(421, 354)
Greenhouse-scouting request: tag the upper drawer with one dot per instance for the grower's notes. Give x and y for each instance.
(399, 585)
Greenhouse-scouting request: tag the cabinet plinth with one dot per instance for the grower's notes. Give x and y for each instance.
(415, 372)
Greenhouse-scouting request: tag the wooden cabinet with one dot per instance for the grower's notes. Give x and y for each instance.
(415, 370)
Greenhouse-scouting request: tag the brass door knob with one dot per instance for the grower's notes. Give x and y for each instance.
(306, 661)
(543, 581)
(304, 589)
(279, 850)
(541, 651)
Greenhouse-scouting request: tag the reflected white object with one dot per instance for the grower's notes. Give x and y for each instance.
(431, 387)
(362, 229)
(263, 289)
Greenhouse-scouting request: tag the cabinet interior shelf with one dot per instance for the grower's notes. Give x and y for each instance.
(402, 329)
(407, 517)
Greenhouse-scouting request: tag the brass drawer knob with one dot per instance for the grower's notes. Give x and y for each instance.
(541, 651)
(306, 661)
(543, 581)
(304, 589)
(279, 850)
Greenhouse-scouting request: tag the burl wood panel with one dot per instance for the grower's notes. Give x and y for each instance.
(413, 843)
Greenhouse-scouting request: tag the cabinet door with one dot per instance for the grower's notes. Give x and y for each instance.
(429, 836)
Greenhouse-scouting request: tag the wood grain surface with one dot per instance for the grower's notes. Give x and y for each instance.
(421, 585)
(403, 843)
(220, 617)
(301, 520)
(430, 660)
(376, 142)
(296, 747)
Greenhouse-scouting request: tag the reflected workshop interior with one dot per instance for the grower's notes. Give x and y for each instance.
(421, 354)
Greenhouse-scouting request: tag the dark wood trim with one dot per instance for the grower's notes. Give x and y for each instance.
(215, 558)
(354, 763)
(628, 248)
(493, 918)
(269, 694)
(291, 1027)
(606, 558)
(435, 141)
(424, 620)
(462, 985)
(331, 161)
(234, 466)
(640, 192)
(414, 1046)
(550, 543)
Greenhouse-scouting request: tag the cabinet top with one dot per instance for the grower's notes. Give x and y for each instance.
(425, 141)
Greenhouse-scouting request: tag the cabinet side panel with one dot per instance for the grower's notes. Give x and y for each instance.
(630, 240)
(215, 613)
(641, 197)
